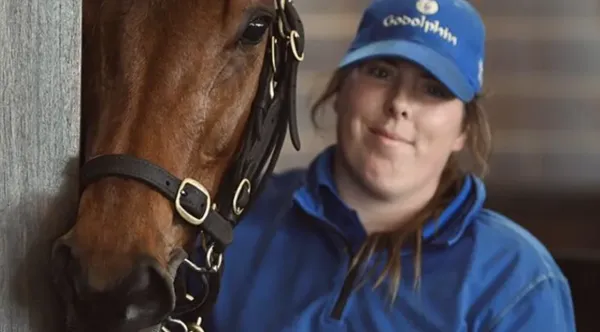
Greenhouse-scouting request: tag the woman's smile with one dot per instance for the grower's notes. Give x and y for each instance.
(387, 137)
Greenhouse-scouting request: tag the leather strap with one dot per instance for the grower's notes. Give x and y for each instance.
(194, 201)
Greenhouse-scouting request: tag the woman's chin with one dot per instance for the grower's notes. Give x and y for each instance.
(381, 168)
(383, 181)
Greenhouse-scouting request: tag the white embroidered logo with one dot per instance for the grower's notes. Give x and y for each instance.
(422, 22)
(427, 7)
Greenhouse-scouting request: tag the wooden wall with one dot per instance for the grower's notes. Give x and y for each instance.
(39, 146)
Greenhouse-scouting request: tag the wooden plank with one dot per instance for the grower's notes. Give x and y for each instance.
(39, 147)
(563, 221)
(548, 113)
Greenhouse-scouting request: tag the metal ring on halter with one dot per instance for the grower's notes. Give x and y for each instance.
(293, 35)
(273, 50)
(281, 29)
(175, 321)
(280, 20)
(209, 262)
(196, 267)
(272, 93)
(281, 6)
(245, 182)
(209, 259)
(196, 327)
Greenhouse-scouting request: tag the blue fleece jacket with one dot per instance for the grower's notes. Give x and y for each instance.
(286, 269)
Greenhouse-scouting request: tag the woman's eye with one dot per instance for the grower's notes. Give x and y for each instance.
(256, 30)
(380, 72)
(438, 91)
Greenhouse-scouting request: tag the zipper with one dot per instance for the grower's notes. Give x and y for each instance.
(344, 295)
(349, 280)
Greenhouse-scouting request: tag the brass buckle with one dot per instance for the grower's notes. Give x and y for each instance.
(182, 212)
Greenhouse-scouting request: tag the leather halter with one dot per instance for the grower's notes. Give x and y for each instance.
(273, 112)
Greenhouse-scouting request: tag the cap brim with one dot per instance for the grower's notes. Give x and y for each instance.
(439, 66)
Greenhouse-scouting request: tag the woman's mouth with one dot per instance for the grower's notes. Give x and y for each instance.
(389, 136)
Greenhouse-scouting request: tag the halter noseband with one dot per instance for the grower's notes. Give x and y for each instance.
(273, 112)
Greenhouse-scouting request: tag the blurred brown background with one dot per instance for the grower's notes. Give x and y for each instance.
(543, 79)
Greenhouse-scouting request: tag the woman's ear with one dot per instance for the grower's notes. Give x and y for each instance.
(459, 142)
(337, 97)
(336, 103)
(339, 90)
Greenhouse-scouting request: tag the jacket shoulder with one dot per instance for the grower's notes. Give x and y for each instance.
(517, 274)
(505, 234)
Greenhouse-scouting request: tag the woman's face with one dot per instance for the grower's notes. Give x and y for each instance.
(396, 127)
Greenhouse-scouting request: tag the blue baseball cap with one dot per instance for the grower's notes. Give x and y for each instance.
(445, 37)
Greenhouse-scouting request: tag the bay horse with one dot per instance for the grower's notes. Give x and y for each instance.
(185, 108)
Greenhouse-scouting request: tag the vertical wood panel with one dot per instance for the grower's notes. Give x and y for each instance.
(39, 147)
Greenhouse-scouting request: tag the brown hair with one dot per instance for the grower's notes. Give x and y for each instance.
(478, 149)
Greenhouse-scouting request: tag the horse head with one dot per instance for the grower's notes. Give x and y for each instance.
(185, 106)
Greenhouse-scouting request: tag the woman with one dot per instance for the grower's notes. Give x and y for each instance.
(385, 231)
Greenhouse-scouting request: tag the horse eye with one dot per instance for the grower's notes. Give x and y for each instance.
(255, 30)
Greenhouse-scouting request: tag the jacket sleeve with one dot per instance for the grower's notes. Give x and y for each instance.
(544, 305)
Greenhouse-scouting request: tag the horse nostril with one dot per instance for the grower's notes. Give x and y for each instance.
(150, 295)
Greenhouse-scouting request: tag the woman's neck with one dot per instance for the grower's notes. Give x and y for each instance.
(378, 214)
